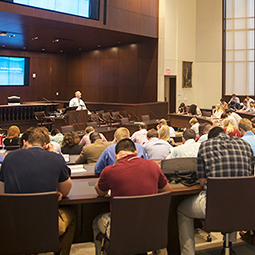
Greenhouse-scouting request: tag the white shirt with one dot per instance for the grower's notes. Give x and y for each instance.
(203, 138)
(140, 136)
(187, 150)
(195, 128)
(172, 132)
(233, 120)
(77, 102)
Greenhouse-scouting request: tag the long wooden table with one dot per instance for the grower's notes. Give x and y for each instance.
(182, 120)
(89, 205)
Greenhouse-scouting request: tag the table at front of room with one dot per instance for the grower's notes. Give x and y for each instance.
(89, 205)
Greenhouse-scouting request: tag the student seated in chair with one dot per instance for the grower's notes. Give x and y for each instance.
(37, 169)
(129, 176)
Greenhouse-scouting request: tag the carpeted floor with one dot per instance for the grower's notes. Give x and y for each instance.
(202, 247)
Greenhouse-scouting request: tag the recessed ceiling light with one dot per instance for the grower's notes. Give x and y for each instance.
(79, 48)
(98, 45)
(12, 35)
(56, 40)
(35, 38)
(24, 48)
(3, 46)
(61, 50)
(43, 49)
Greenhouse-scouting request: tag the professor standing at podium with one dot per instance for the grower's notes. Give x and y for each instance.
(77, 101)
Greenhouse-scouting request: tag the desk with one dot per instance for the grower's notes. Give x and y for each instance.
(182, 120)
(133, 127)
(90, 205)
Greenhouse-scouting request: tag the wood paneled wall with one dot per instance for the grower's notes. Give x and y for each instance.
(50, 70)
(126, 74)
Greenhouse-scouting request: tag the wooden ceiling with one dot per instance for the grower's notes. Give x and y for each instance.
(37, 34)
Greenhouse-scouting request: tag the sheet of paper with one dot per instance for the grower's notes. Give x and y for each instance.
(77, 169)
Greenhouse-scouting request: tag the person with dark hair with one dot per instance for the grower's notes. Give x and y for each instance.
(35, 170)
(182, 108)
(219, 156)
(156, 148)
(234, 98)
(194, 110)
(24, 138)
(92, 152)
(189, 148)
(234, 115)
(140, 136)
(129, 176)
(56, 136)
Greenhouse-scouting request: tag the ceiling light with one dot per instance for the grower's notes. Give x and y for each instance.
(12, 35)
(3, 33)
(61, 50)
(3, 46)
(35, 38)
(56, 40)
(43, 49)
(24, 48)
(98, 45)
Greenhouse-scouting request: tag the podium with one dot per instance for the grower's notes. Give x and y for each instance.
(77, 118)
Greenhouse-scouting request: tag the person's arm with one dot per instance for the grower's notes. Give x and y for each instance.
(202, 181)
(101, 162)
(82, 158)
(1, 187)
(65, 186)
(165, 189)
(100, 192)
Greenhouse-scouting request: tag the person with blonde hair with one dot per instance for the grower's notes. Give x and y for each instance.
(245, 127)
(108, 155)
(12, 137)
(164, 133)
(162, 123)
(194, 125)
(217, 111)
(230, 129)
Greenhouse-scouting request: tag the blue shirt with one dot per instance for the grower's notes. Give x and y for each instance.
(108, 157)
(249, 137)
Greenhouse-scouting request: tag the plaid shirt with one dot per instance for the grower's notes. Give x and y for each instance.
(225, 156)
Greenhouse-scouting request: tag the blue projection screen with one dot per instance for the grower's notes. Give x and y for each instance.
(14, 71)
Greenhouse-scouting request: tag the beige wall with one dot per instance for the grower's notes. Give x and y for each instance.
(191, 30)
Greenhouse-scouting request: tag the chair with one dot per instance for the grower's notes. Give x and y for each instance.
(43, 120)
(116, 116)
(67, 129)
(124, 121)
(94, 117)
(229, 205)
(29, 223)
(92, 124)
(109, 119)
(139, 224)
(145, 117)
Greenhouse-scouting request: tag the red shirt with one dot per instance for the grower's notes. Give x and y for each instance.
(234, 133)
(132, 176)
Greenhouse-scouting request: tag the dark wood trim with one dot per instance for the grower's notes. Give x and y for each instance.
(223, 48)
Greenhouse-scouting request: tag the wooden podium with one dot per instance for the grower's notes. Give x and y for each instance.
(78, 119)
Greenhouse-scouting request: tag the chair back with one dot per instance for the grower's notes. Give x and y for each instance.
(29, 223)
(139, 224)
(145, 117)
(187, 165)
(92, 124)
(124, 121)
(229, 204)
(39, 115)
(67, 129)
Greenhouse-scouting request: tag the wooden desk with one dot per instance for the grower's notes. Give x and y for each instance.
(182, 120)
(133, 127)
(89, 173)
(90, 205)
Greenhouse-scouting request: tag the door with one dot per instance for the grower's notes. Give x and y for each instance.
(170, 93)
